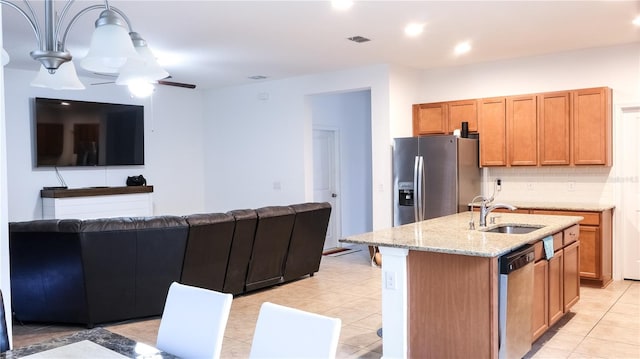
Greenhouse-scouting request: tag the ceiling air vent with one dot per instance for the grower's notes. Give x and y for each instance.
(358, 39)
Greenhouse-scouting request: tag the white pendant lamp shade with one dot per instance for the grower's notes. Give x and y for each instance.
(145, 68)
(5, 57)
(110, 46)
(65, 78)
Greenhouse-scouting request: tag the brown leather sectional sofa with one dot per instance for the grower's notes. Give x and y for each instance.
(105, 270)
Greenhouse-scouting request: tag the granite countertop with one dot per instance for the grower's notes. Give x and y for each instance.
(558, 206)
(451, 234)
(564, 206)
(101, 342)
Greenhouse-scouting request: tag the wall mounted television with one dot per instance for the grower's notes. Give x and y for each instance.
(80, 133)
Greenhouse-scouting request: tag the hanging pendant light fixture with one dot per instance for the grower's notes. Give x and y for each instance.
(111, 48)
(65, 78)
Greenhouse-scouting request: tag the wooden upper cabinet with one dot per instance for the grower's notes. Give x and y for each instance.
(522, 135)
(564, 128)
(493, 127)
(429, 119)
(553, 128)
(592, 126)
(461, 111)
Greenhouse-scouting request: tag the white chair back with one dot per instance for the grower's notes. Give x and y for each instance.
(283, 332)
(193, 322)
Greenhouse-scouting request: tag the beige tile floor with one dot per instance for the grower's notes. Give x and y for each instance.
(604, 324)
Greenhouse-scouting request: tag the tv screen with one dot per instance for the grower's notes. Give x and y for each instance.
(79, 133)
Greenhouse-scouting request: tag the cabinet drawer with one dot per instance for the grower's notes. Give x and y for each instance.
(590, 218)
(571, 234)
(538, 251)
(538, 247)
(557, 241)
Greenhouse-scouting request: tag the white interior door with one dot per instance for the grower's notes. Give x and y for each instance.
(325, 180)
(631, 193)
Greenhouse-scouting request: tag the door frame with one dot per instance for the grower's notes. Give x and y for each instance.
(618, 232)
(336, 210)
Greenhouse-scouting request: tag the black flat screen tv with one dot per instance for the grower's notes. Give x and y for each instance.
(80, 133)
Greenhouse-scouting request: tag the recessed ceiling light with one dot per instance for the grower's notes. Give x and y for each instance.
(462, 48)
(414, 29)
(257, 77)
(341, 4)
(636, 21)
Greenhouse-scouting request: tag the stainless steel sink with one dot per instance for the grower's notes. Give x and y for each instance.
(513, 228)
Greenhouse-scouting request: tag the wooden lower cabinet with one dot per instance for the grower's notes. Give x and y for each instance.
(556, 286)
(595, 262)
(591, 267)
(571, 275)
(540, 313)
(556, 282)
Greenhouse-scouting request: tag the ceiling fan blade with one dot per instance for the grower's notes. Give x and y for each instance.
(177, 84)
(103, 83)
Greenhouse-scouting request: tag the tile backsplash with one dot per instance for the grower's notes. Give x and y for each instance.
(558, 184)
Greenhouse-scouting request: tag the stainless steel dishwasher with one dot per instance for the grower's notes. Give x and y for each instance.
(515, 301)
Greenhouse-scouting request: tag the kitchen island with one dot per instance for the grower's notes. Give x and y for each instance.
(440, 281)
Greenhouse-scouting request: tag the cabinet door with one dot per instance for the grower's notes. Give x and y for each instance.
(493, 132)
(590, 252)
(429, 118)
(540, 310)
(553, 128)
(571, 257)
(461, 111)
(592, 126)
(556, 287)
(522, 136)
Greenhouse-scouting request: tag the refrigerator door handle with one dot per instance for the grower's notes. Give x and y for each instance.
(416, 189)
(419, 183)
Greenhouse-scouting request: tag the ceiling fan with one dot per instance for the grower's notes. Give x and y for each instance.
(164, 81)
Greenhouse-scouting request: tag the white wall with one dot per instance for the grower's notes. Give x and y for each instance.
(173, 147)
(350, 114)
(260, 134)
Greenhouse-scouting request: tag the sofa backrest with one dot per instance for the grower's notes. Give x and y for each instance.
(241, 248)
(307, 239)
(270, 246)
(208, 248)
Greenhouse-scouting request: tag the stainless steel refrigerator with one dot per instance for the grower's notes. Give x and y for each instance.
(433, 176)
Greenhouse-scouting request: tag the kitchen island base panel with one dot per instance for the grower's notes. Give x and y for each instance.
(452, 305)
(394, 299)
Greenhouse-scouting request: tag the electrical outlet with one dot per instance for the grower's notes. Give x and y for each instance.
(571, 186)
(530, 187)
(499, 185)
(390, 280)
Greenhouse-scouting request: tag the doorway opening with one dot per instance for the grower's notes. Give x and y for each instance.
(342, 163)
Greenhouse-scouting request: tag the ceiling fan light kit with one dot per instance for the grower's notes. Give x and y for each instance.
(115, 48)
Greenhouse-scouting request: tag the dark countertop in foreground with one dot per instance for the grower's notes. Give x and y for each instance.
(451, 234)
(117, 344)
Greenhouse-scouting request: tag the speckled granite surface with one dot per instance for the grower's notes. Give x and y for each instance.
(560, 206)
(451, 234)
(106, 339)
(564, 206)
